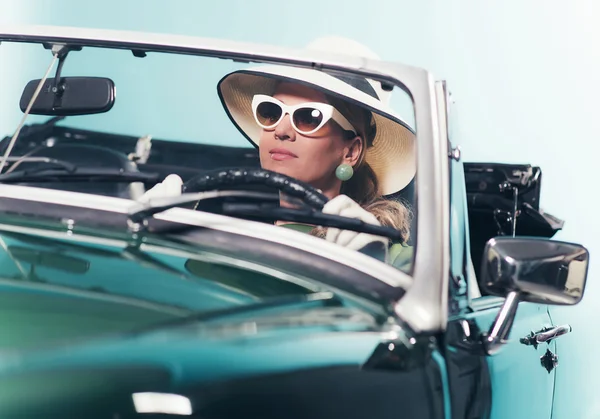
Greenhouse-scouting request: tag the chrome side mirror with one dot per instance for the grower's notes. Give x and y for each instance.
(541, 270)
(532, 269)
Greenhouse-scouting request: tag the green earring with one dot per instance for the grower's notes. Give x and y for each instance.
(344, 172)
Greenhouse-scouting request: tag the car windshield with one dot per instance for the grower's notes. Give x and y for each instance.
(146, 115)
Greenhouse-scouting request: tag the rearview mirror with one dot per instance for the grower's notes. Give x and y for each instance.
(540, 270)
(71, 96)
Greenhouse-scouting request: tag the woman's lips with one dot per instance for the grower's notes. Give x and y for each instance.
(280, 154)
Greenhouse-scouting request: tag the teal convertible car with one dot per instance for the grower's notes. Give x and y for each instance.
(201, 303)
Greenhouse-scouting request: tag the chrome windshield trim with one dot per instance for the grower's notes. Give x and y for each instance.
(425, 305)
(170, 43)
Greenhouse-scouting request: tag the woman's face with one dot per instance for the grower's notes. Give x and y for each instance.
(310, 158)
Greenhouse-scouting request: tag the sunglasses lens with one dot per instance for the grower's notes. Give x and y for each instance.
(268, 113)
(307, 119)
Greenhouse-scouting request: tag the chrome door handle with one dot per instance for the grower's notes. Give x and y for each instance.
(545, 335)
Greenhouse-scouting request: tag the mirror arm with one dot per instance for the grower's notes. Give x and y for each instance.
(58, 88)
(498, 334)
(61, 52)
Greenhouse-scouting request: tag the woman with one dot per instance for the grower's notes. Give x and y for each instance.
(337, 135)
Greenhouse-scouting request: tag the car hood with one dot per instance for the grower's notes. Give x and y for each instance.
(193, 353)
(105, 375)
(88, 326)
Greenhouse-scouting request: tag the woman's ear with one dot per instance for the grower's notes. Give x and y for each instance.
(352, 151)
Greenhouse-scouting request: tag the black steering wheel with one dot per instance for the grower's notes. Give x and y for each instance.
(228, 178)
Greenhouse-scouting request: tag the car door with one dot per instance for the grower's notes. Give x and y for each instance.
(522, 387)
(517, 380)
(512, 382)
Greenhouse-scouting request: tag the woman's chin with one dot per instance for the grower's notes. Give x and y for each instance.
(285, 170)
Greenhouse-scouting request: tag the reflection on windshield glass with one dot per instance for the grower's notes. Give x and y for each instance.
(346, 142)
(59, 290)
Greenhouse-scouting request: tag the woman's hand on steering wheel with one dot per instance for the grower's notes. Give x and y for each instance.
(169, 187)
(341, 205)
(344, 206)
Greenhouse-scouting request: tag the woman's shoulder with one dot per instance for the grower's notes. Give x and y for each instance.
(401, 256)
(304, 228)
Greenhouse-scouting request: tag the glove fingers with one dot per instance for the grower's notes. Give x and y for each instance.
(334, 207)
(155, 191)
(337, 204)
(344, 206)
(346, 237)
(332, 234)
(172, 185)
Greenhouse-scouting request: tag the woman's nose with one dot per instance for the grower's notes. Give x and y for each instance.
(284, 130)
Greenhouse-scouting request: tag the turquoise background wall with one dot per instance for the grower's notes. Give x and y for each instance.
(525, 77)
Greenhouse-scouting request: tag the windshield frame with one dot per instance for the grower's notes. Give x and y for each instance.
(424, 307)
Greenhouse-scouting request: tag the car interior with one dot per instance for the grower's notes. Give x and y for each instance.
(97, 149)
(502, 199)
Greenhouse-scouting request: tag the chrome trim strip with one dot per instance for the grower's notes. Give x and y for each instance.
(425, 305)
(163, 42)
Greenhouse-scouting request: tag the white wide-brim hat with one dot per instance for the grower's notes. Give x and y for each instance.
(392, 155)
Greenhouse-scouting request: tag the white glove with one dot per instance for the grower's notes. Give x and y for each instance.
(344, 206)
(171, 186)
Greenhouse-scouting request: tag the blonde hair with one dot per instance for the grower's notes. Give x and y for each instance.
(363, 186)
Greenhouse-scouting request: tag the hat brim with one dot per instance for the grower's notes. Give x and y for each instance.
(392, 155)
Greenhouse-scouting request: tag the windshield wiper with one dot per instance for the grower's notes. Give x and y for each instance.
(269, 212)
(32, 130)
(70, 167)
(70, 173)
(326, 299)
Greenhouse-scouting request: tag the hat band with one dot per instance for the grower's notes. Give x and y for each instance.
(359, 83)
